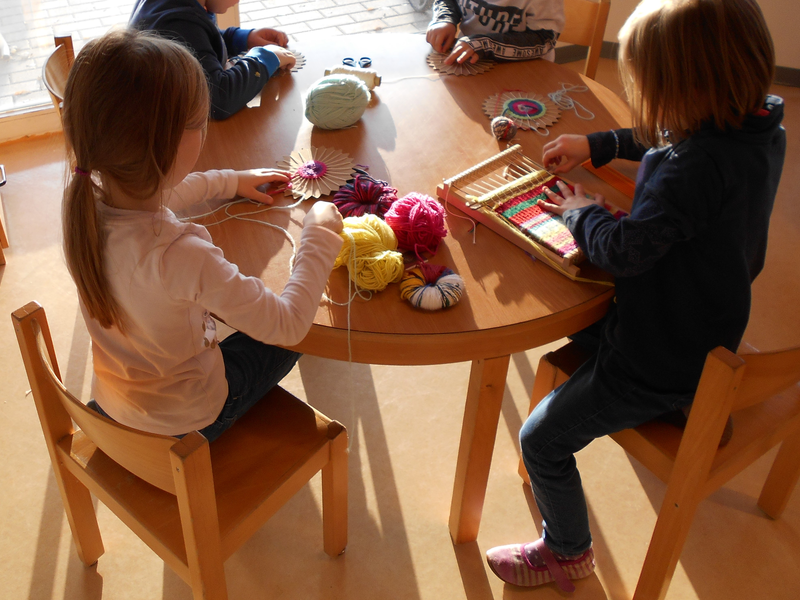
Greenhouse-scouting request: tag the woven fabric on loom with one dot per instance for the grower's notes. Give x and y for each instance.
(543, 227)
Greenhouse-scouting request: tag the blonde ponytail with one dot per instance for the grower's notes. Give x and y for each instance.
(129, 98)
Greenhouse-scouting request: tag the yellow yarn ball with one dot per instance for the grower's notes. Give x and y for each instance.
(370, 253)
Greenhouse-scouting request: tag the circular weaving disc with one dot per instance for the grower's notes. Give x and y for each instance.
(316, 171)
(300, 61)
(528, 111)
(436, 62)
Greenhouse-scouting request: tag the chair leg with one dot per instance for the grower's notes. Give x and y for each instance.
(81, 516)
(669, 536)
(782, 478)
(543, 384)
(334, 493)
(194, 482)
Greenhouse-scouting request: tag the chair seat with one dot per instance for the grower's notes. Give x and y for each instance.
(280, 440)
(756, 429)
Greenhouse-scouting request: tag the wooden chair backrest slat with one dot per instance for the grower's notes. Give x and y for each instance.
(146, 455)
(585, 25)
(767, 374)
(580, 20)
(55, 72)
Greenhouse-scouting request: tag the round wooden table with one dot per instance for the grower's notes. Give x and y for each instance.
(421, 127)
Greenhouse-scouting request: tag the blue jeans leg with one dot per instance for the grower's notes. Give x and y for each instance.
(591, 404)
(252, 369)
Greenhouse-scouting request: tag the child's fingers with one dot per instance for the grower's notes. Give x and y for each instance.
(555, 199)
(268, 175)
(553, 208)
(261, 197)
(566, 192)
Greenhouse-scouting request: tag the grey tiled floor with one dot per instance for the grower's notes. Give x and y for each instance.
(27, 27)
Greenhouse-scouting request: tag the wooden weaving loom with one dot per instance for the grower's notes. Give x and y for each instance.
(503, 193)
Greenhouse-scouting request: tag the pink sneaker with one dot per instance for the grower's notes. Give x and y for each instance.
(533, 564)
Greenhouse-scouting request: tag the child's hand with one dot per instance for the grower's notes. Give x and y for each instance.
(266, 37)
(462, 52)
(324, 214)
(566, 152)
(249, 181)
(559, 205)
(285, 56)
(441, 36)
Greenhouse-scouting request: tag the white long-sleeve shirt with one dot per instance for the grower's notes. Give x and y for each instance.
(165, 374)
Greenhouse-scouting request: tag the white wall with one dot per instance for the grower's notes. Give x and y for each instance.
(783, 17)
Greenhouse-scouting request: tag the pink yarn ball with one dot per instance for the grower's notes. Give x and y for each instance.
(418, 222)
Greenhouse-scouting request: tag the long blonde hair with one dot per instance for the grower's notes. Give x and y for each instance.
(687, 62)
(129, 98)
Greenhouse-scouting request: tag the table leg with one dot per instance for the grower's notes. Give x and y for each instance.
(487, 382)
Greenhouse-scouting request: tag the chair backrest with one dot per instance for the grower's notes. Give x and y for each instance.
(585, 26)
(56, 70)
(230, 18)
(767, 374)
(146, 455)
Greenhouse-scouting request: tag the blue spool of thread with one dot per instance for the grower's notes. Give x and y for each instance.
(336, 101)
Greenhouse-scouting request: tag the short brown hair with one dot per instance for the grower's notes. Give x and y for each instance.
(686, 62)
(129, 98)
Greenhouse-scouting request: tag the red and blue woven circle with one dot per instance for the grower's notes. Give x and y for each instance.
(526, 108)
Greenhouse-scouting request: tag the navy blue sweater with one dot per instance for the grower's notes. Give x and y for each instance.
(695, 240)
(189, 23)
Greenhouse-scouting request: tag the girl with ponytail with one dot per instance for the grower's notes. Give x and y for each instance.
(135, 113)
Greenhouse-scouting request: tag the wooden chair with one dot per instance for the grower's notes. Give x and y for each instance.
(230, 18)
(762, 394)
(56, 69)
(192, 502)
(3, 237)
(585, 26)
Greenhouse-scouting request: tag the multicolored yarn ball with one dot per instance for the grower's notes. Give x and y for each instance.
(336, 101)
(503, 128)
(431, 287)
(364, 195)
(370, 253)
(418, 222)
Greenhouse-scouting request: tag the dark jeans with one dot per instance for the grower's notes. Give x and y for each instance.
(592, 403)
(252, 369)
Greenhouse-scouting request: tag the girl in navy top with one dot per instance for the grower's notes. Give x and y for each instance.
(697, 74)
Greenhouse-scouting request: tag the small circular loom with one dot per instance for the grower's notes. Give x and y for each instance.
(316, 171)
(527, 110)
(436, 62)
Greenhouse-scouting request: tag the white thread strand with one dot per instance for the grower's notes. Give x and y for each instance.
(450, 212)
(566, 102)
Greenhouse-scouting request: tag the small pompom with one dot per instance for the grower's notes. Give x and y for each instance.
(431, 287)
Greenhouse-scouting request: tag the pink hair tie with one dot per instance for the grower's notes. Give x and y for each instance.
(81, 172)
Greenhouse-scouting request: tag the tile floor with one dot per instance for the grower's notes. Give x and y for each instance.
(404, 425)
(27, 27)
